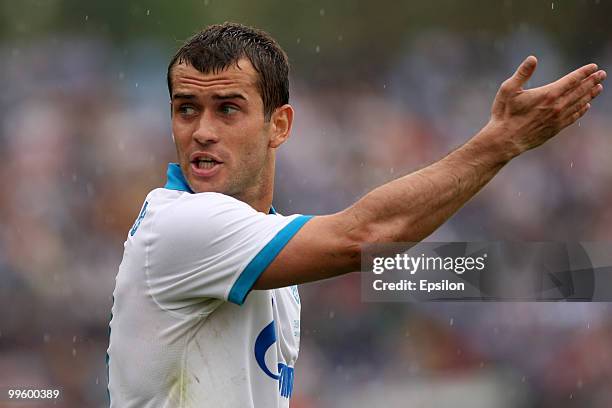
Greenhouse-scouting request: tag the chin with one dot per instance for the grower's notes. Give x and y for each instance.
(203, 187)
(198, 188)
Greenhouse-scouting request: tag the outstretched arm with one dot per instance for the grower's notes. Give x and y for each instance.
(410, 208)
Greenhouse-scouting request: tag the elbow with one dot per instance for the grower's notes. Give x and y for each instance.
(360, 230)
(354, 234)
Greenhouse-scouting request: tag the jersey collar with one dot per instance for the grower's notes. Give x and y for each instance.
(176, 181)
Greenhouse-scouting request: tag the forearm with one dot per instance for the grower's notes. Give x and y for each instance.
(410, 208)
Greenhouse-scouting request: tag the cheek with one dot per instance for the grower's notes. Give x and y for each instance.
(257, 148)
(180, 135)
(253, 144)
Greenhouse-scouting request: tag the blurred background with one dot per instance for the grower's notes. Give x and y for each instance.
(381, 89)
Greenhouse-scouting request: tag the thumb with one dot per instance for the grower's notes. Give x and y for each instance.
(524, 72)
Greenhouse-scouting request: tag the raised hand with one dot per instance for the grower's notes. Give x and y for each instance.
(529, 117)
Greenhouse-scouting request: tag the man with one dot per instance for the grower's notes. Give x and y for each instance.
(187, 329)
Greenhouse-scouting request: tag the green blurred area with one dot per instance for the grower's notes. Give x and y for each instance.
(336, 29)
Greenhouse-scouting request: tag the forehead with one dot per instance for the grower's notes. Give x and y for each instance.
(236, 77)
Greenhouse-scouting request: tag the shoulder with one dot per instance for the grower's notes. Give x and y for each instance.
(202, 214)
(175, 206)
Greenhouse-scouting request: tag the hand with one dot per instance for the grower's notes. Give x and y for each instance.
(529, 117)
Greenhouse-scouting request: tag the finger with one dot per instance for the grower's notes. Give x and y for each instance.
(590, 86)
(572, 80)
(523, 73)
(576, 115)
(589, 96)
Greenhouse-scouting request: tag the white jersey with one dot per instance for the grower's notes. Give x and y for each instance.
(183, 331)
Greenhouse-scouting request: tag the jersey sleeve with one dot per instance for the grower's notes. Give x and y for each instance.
(210, 245)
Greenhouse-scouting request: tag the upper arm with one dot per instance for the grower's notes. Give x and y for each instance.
(213, 246)
(324, 247)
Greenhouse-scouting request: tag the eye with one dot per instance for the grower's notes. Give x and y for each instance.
(186, 110)
(228, 109)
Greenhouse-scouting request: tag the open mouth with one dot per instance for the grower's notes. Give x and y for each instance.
(205, 163)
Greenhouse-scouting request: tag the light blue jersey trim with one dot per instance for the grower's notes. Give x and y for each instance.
(176, 180)
(255, 268)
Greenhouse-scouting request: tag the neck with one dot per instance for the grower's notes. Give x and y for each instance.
(260, 196)
(261, 202)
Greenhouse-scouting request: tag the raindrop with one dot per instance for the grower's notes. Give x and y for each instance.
(74, 177)
(97, 380)
(571, 396)
(552, 6)
(86, 18)
(322, 12)
(74, 339)
(572, 164)
(148, 12)
(451, 321)
(588, 325)
(136, 84)
(519, 193)
(384, 86)
(73, 352)
(578, 124)
(317, 49)
(332, 314)
(46, 337)
(299, 40)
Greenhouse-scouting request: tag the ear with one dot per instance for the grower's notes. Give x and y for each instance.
(280, 125)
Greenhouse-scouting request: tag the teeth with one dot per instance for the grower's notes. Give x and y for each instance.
(205, 164)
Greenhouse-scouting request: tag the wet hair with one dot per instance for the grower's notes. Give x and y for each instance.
(218, 46)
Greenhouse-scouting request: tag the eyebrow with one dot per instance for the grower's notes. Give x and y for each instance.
(183, 96)
(233, 95)
(218, 97)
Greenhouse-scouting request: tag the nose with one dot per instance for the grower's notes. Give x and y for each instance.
(205, 133)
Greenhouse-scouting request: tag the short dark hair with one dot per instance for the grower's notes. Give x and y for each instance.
(218, 46)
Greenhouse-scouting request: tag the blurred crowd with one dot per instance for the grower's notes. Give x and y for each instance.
(85, 134)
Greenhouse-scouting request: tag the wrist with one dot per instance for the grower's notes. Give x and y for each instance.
(497, 141)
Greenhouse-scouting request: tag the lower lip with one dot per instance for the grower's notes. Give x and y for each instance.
(205, 173)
